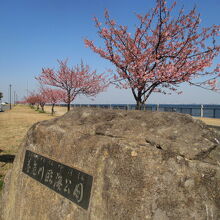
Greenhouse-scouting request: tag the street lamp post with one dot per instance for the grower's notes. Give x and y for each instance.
(10, 95)
(14, 98)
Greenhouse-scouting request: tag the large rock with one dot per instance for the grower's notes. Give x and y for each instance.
(144, 165)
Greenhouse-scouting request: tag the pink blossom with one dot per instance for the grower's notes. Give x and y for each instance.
(74, 81)
(162, 53)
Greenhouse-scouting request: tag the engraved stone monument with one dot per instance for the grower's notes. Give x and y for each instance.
(95, 164)
(71, 183)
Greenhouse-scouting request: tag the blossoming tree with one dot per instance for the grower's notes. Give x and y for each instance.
(164, 51)
(79, 80)
(38, 98)
(32, 99)
(54, 96)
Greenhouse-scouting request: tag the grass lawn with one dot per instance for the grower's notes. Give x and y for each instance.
(58, 110)
(14, 124)
(211, 121)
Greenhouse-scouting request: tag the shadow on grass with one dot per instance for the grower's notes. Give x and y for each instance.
(7, 158)
(1, 182)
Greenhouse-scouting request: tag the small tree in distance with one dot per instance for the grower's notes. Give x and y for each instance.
(164, 51)
(37, 98)
(79, 80)
(54, 96)
(43, 96)
(42, 99)
(32, 99)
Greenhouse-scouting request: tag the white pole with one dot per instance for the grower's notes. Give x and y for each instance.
(201, 115)
(157, 107)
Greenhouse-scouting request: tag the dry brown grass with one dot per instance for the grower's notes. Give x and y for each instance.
(14, 124)
(211, 121)
(58, 110)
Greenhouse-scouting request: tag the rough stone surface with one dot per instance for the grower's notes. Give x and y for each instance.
(159, 166)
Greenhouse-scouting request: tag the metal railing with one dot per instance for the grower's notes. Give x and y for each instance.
(209, 111)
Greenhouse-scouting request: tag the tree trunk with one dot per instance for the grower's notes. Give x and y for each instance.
(68, 103)
(42, 108)
(139, 105)
(139, 101)
(52, 110)
(68, 106)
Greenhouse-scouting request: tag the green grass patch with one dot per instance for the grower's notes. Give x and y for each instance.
(40, 111)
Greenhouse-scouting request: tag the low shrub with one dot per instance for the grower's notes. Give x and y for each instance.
(41, 111)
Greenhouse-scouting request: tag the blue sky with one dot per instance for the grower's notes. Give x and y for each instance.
(35, 33)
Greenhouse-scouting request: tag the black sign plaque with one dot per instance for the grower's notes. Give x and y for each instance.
(71, 183)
